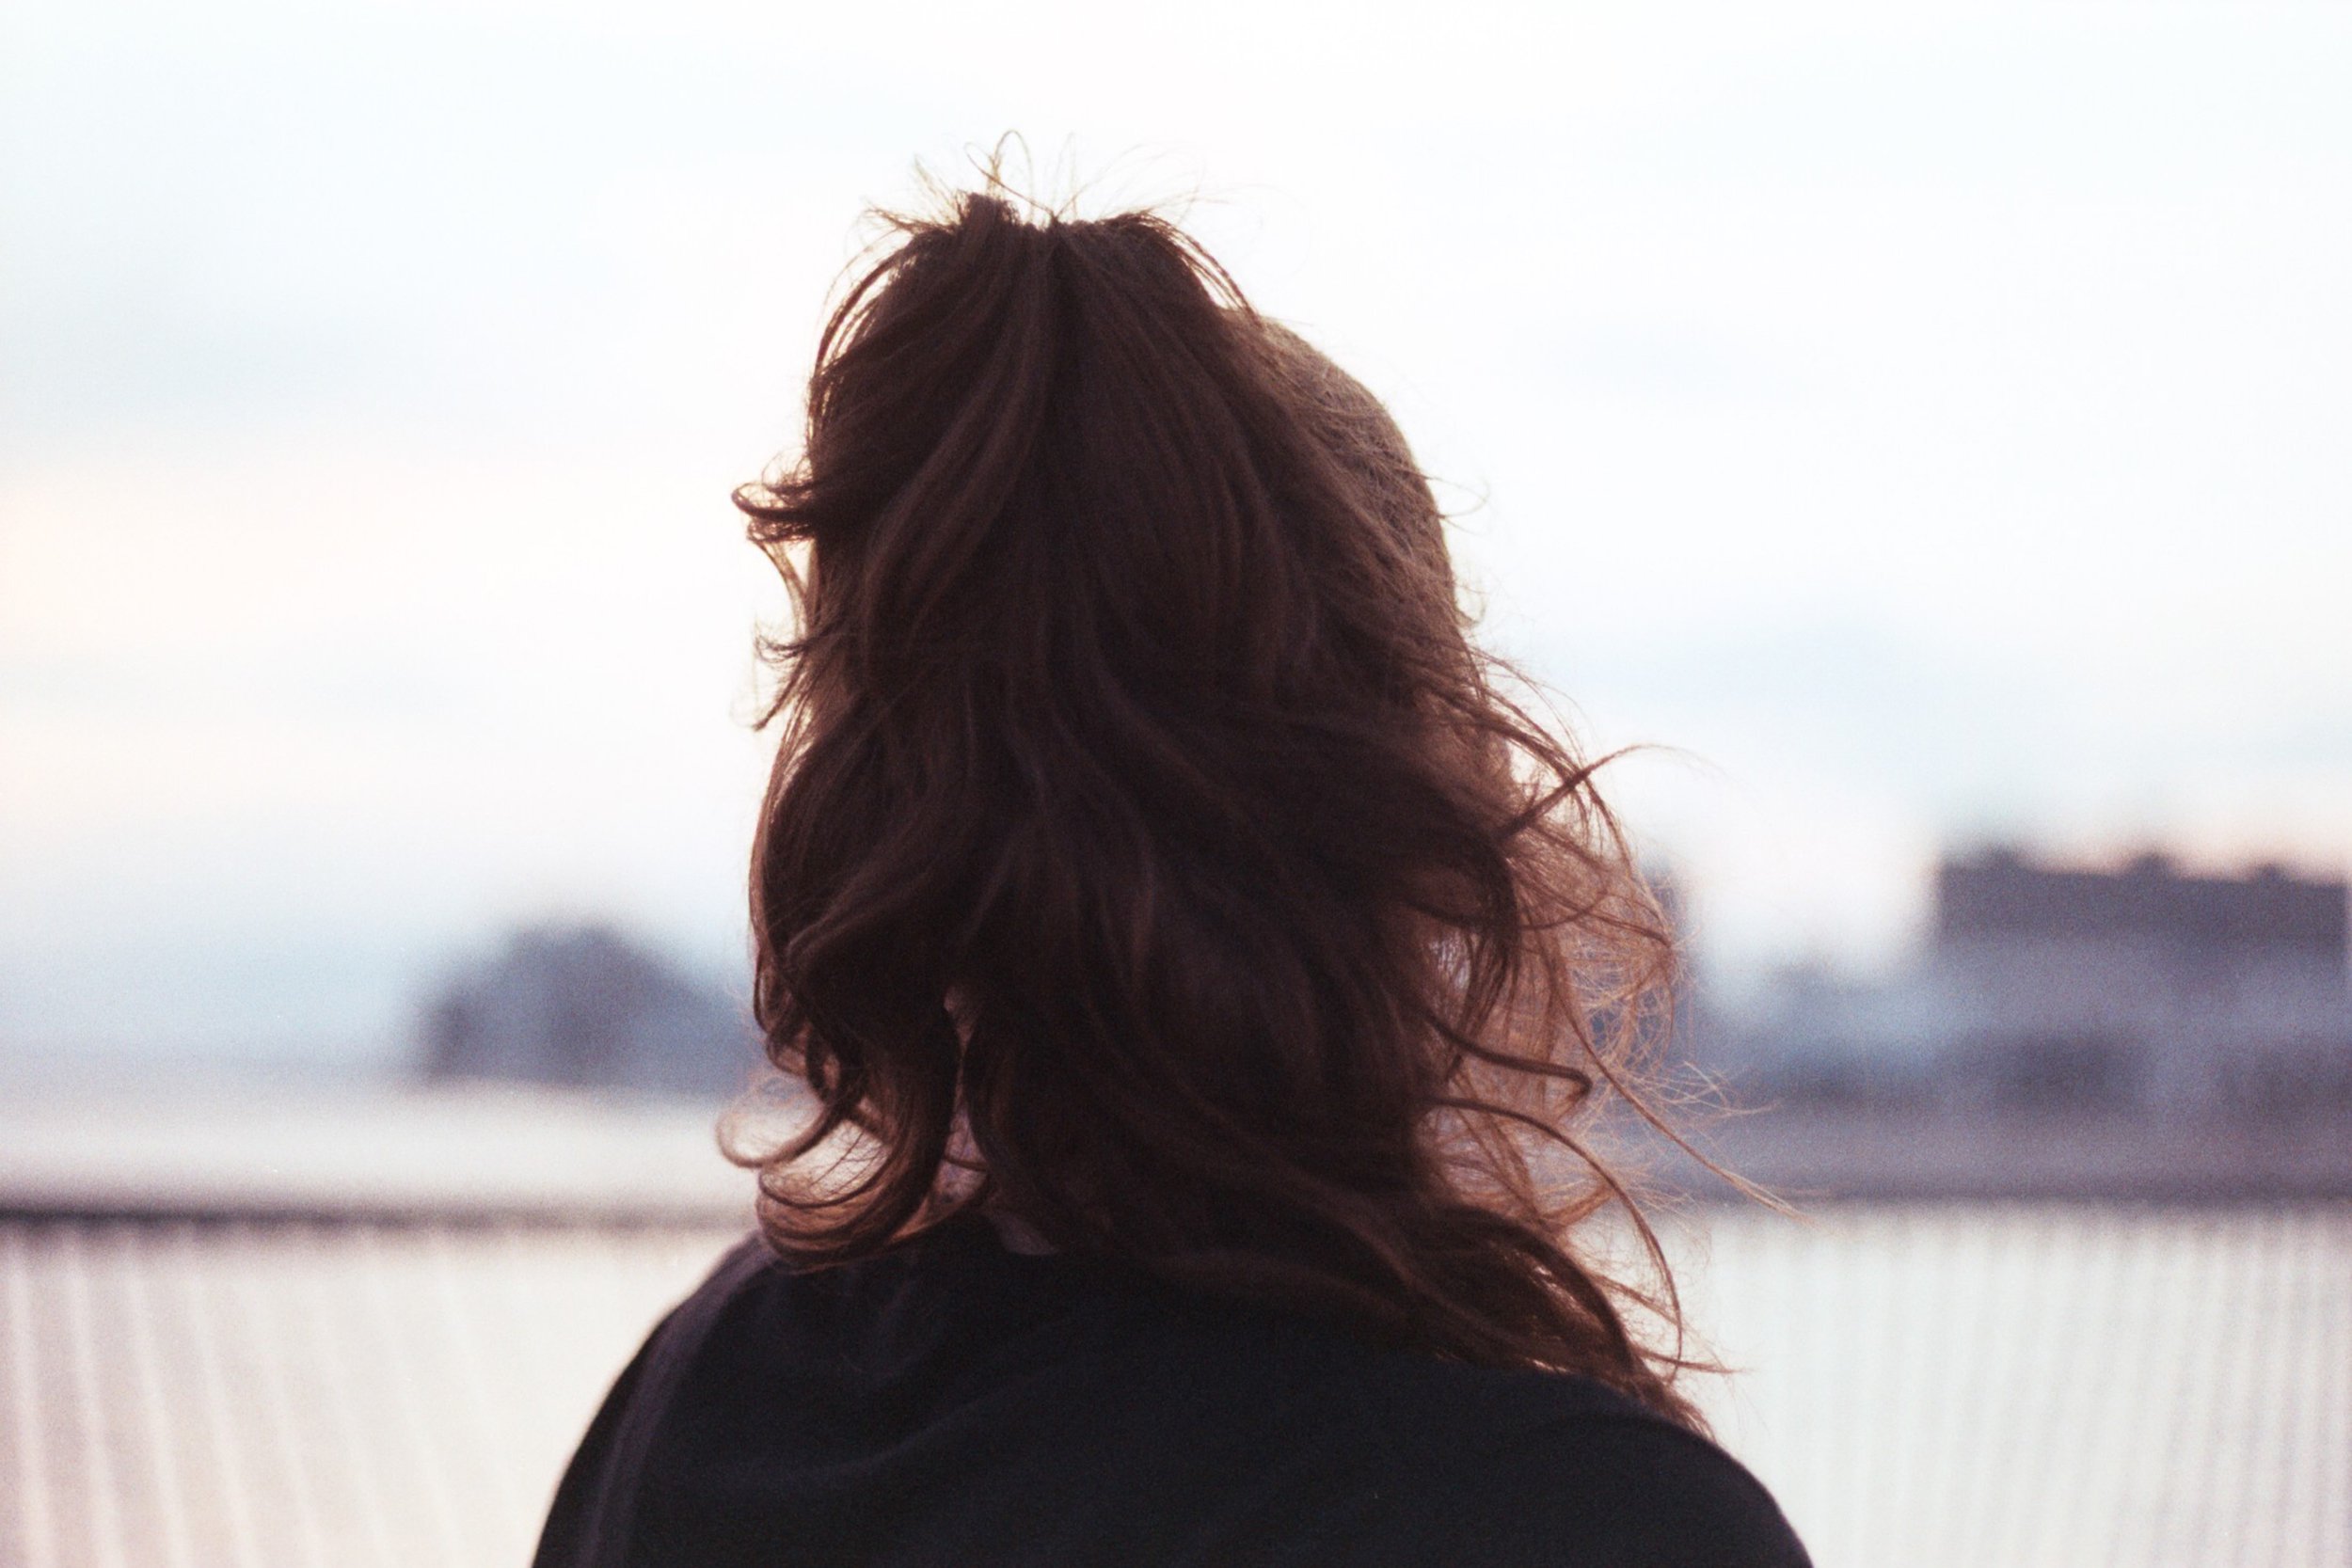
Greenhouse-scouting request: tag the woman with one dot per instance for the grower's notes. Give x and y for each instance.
(1198, 969)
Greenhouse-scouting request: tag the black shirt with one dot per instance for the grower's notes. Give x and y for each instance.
(953, 1403)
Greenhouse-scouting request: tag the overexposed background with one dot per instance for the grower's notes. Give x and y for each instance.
(1928, 418)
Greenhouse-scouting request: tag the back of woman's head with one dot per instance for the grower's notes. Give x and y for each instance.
(1148, 855)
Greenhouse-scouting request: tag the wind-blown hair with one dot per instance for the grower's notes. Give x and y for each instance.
(1150, 856)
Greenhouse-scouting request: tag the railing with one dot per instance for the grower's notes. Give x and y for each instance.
(1965, 1384)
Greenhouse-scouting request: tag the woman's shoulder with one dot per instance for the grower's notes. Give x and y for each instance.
(1139, 1425)
(1507, 1468)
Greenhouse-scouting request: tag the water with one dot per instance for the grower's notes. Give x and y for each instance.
(2059, 1385)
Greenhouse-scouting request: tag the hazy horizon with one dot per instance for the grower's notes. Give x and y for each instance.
(1925, 428)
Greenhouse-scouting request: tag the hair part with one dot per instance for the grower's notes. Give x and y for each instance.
(1149, 854)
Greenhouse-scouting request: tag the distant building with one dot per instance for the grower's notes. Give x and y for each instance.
(585, 1006)
(2139, 988)
(2143, 984)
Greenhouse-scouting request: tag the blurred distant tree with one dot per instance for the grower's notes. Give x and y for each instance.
(584, 1006)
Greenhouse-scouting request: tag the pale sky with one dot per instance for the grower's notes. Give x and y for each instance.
(1929, 423)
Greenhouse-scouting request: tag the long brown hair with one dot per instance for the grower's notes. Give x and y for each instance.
(1149, 854)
